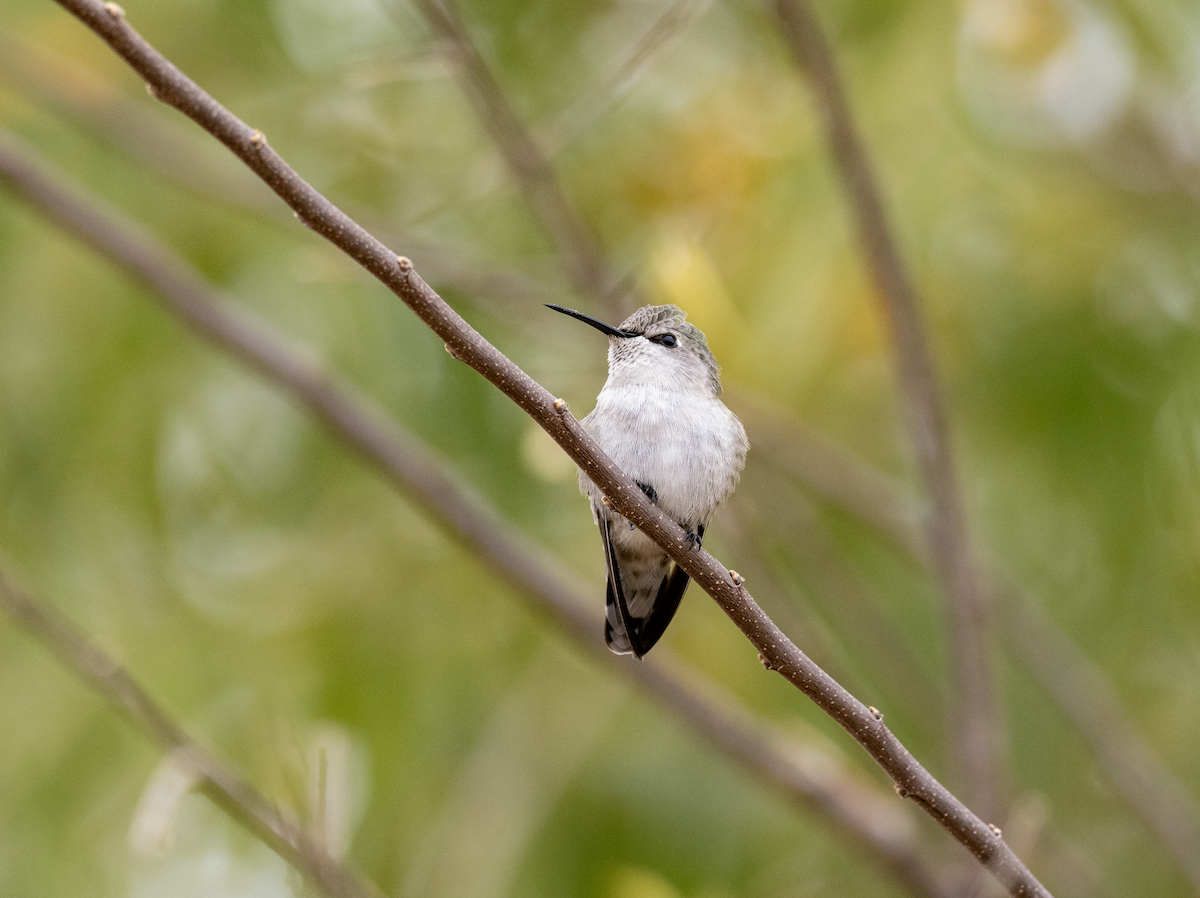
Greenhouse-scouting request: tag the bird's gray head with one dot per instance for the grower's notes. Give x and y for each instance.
(656, 342)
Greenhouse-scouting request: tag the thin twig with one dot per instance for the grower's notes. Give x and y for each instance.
(154, 141)
(225, 788)
(464, 343)
(864, 815)
(91, 102)
(831, 473)
(1076, 685)
(577, 117)
(1081, 691)
(809, 556)
(567, 230)
(977, 718)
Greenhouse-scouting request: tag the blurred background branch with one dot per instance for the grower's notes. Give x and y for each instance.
(562, 223)
(57, 82)
(662, 33)
(226, 789)
(977, 721)
(1131, 765)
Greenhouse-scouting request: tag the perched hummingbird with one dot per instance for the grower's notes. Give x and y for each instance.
(660, 418)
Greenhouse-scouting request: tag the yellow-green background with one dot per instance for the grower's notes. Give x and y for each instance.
(1041, 163)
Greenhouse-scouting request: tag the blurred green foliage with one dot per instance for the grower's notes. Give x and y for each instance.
(1040, 160)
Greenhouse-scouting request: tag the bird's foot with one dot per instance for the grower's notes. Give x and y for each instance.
(695, 537)
(650, 492)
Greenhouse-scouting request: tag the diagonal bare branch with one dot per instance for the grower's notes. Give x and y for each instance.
(224, 787)
(806, 776)
(977, 714)
(464, 343)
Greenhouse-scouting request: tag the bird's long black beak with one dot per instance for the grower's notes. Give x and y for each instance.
(594, 322)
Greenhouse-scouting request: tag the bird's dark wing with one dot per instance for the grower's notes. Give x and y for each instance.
(622, 631)
(665, 605)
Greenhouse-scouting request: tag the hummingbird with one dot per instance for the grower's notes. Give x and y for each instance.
(660, 417)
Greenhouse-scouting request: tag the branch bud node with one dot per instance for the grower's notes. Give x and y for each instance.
(560, 405)
(765, 661)
(875, 712)
(114, 10)
(737, 578)
(258, 140)
(405, 263)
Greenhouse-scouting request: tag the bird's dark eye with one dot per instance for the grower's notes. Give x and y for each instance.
(667, 340)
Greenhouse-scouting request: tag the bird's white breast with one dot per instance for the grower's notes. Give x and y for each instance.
(686, 445)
